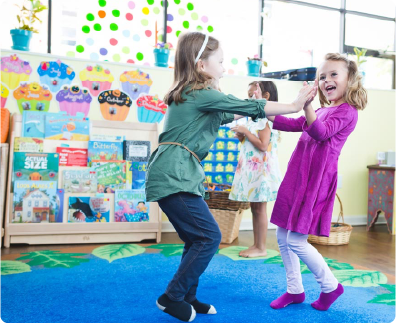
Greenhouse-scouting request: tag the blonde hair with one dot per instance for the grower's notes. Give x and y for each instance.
(186, 72)
(356, 94)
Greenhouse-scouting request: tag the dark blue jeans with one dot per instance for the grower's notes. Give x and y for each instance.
(194, 223)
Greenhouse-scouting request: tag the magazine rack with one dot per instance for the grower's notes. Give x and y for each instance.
(68, 233)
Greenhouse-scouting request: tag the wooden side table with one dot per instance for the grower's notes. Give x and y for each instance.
(381, 195)
(3, 180)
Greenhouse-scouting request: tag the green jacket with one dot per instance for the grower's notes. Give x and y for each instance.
(193, 123)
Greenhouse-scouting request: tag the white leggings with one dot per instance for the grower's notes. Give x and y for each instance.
(294, 246)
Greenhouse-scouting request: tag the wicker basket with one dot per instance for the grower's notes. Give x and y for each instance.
(4, 124)
(219, 199)
(339, 232)
(229, 222)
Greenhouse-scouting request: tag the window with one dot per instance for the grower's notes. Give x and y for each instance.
(36, 203)
(45, 203)
(384, 8)
(29, 214)
(29, 203)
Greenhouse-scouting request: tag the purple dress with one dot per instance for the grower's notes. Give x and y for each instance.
(306, 196)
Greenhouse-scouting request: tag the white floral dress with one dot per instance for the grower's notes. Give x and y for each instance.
(257, 177)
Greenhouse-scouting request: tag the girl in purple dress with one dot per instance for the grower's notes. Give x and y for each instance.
(306, 196)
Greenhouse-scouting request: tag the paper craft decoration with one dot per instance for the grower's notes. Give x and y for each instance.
(74, 99)
(33, 97)
(55, 74)
(96, 79)
(114, 105)
(135, 83)
(131, 206)
(28, 145)
(62, 127)
(88, 209)
(151, 109)
(14, 70)
(4, 95)
(136, 150)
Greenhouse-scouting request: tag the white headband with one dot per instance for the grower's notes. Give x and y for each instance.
(202, 48)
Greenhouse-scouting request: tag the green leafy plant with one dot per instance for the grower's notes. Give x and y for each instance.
(27, 17)
(360, 53)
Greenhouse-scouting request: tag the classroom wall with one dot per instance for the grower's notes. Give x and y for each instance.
(375, 130)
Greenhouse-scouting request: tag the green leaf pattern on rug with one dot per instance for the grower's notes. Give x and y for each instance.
(278, 261)
(53, 259)
(387, 298)
(10, 267)
(113, 252)
(360, 278)
(337, 265)
(169, 250)
(233, 253)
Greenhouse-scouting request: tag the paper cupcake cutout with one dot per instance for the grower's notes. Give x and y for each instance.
(96, 79)
(4, 95)
(55, 74)
(14, 70)
(151, 109)
(74, 99)
(33, 97)
(135, 83)
(114, 105)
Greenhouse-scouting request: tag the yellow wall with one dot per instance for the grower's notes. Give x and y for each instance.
(375, 130)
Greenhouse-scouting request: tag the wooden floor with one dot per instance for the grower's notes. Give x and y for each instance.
(373, 250)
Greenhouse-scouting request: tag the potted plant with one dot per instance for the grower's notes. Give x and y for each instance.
(161, 54)
(360, 53)
(27, 17)
(254, 65)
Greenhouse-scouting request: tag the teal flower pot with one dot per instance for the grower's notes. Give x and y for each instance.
(253, 67)
(21, 39)
(161, 56)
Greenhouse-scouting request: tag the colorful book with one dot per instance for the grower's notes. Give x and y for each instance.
(130, 206)
(60, 195)
(110, 175)
(136, 150)
(88, 209)
(28, 144)
(136, 175)
(33, 123)
(72, 156)
(34, 202)
(96, 137)
(35, 167)
(102, 151)
(64, 127)
(80, 181)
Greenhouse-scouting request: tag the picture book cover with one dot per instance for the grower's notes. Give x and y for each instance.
(84, 209)
(110, 176)
(33, 123)
(137, 150)
(79, 181)
(72, 156)
(35, 202)
(136, 175)
(28, 144)
(102, 151)
(35, 166)
(97, 137)
(60, 195)
(131, 206)
(64, 127)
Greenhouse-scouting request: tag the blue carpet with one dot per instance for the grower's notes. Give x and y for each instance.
(63, 287)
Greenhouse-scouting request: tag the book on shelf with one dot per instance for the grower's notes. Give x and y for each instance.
(136, 175)
(102, 151)
(88, 209)
(60, 197)
(33, 123)
(130, 206)
(65, 127)
(136, 150)
(79, 181)
(72, 156)
(110, 176)
(98, 137)
(28, 144)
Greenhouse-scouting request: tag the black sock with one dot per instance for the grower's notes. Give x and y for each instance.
(203, 308)
(181, 310)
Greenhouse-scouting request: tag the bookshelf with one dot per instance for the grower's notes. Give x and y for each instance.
(70, 233)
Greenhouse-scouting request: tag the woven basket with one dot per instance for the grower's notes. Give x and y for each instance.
(4, 124)
(339, 232)
(229, 222)
(219, 199)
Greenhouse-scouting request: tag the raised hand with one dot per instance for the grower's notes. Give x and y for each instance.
(315, 87)
(305, 96)
(258, 94)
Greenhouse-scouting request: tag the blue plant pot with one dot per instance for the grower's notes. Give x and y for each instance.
(253, 67)
(161, 56)
(21, 39)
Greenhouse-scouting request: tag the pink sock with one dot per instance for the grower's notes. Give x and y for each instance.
(287, 299)
(326, 299)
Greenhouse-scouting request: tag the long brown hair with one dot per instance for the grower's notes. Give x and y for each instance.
(186, 71)
(356, 94)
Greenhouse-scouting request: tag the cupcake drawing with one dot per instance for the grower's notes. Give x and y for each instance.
(14, 70)
(150, 109)
(55, 74)
(74, 99)
(114, 105)
(33, 97)
(96, 79)
(4, 95)
(135, 83)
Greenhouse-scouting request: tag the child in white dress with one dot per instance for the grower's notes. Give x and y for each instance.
(257, 177)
